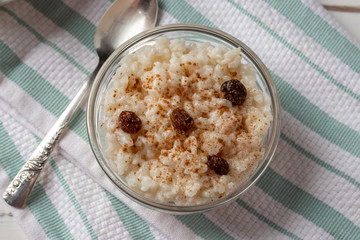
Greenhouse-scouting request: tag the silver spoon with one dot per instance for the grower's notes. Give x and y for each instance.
(123, 20)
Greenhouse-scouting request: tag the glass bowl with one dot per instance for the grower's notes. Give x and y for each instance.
(191, 33)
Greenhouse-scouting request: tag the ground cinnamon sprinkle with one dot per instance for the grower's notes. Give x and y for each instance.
(168, 164)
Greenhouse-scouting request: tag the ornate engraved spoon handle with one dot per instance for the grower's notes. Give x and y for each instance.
(20, 187)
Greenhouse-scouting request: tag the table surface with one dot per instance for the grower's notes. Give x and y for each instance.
(348, 17)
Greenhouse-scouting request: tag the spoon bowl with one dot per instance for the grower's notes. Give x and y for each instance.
(126, 16)
(123, 20)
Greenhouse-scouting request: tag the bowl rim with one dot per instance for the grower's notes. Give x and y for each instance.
(254, 59)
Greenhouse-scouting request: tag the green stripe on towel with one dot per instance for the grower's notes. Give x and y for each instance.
(135, 225)
(266, 220)
(296, 51)
(45, 41)
(68, 19)
(307, 205)
(71, 195)
(322, 32)
(184, 12)
(320, 162)
(203, 227)
(38, 202)
(316, 119)
(29, 80)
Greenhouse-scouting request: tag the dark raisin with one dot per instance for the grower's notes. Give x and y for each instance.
(129, 122)
(182, 122)
(218, 164)
(234, 91)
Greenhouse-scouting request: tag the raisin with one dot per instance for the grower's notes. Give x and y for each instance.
(129, 122)
(182, 122)
(234, 91)
(218, 164)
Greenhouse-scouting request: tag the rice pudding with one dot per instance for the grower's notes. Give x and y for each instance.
(183, 122)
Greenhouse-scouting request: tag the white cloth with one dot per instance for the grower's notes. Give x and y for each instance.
(310, 191)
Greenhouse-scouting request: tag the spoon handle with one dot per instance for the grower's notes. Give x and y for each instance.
(20, 187)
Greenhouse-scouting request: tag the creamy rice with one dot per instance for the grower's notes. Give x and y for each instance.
(163, 165)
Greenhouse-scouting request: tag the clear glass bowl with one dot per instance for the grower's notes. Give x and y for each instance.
(191, 33)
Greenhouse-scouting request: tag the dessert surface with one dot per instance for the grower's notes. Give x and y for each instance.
(184, 122)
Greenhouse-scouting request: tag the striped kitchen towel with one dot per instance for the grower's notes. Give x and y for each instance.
(311, 189)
